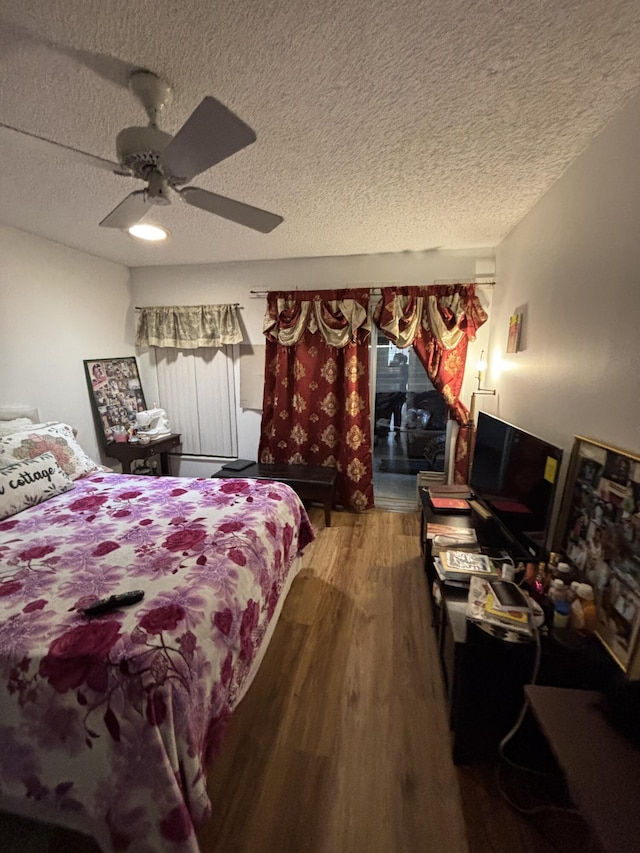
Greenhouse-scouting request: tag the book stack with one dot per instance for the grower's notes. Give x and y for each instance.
(445, 490)
(456, 538)
(449, 498)
(459, 565)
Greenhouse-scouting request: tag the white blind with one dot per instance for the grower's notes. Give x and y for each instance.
(197, 389)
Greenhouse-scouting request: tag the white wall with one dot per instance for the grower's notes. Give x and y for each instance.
(58, 307)
(573, 265)
(217, 283)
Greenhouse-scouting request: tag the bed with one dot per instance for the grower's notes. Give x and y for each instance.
(108, 725)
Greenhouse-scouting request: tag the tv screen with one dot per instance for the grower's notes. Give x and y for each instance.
(514, 474)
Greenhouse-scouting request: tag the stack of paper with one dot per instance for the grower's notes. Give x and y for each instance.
(445, 490)
(458, 564)
(484, 608)
(508, 617)
(462, 538)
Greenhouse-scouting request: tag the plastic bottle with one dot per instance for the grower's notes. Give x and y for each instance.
(563, 572)
(572, 592)
(561, 611)
(541, 583)
(557, 591)
(583, 610)
(554, 559)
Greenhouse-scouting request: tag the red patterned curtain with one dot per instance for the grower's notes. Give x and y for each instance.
(438, 321)
(316, 396)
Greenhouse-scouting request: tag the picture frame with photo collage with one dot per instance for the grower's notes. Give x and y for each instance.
(599, 531)
(116, 393)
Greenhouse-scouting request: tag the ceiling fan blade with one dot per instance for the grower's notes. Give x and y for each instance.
(106, 66)
(129, 211)
(211, 134)
(90, 159)
(228, 208)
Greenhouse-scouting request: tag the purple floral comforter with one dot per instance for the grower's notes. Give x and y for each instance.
(109, 724)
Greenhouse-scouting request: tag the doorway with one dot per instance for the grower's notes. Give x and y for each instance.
(409, 426)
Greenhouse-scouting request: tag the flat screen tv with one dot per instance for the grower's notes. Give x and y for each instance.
(514, 474)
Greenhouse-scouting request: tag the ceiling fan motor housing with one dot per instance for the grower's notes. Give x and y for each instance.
(139, 149)
(152, 91)
(158, 189)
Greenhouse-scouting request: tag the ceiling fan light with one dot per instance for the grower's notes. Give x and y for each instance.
(147, 231)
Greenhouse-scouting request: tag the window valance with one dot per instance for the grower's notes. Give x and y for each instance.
(438, 321)
(340, 316)
(188, 326)
(447, 313)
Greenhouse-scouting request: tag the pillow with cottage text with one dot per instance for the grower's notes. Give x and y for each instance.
(58, 438)
(28, 483)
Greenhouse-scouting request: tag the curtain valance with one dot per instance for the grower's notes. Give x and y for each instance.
(438, 321)
(446, 312)
(188, 326)
(340, 316)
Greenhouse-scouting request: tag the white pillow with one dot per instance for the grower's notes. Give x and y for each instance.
(30, 482)
(55, 437)
(15, 425)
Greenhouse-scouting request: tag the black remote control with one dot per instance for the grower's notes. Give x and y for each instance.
(105, 605)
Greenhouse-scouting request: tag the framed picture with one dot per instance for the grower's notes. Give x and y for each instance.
(599, 531)
(116, 393)
(515, 327)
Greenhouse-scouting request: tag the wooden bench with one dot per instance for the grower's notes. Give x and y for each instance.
(310, 482)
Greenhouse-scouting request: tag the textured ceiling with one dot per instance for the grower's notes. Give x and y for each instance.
(382, 126)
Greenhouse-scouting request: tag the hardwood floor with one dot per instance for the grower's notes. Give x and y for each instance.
(342, 744)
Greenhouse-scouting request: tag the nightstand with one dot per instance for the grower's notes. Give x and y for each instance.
(126, 453)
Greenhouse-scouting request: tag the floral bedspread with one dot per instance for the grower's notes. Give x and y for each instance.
(109, 724)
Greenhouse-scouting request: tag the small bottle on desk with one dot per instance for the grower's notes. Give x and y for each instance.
(557, 591)
(541, 582)
(583, 610)
(564, 572)
(561, 611)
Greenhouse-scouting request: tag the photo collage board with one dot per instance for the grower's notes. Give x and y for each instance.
(600, 534)
(116, 393)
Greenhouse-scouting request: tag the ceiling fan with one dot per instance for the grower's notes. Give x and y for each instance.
(166, 163)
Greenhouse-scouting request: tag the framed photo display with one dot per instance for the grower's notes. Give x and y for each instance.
(116, 393)
(599, 531)
(515, 327)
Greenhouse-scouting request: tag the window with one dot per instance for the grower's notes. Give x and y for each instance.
(197, 388)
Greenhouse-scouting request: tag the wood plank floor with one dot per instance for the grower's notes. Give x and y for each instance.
(341, 744)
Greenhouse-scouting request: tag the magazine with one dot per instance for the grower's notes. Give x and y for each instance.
(510, 617)
(450, 504)
(458, 581)
(447, 537)
(465, 534)
(444, 542)
(477, 610)
(466, 563)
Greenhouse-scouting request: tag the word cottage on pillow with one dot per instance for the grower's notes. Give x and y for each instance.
(28, 483)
